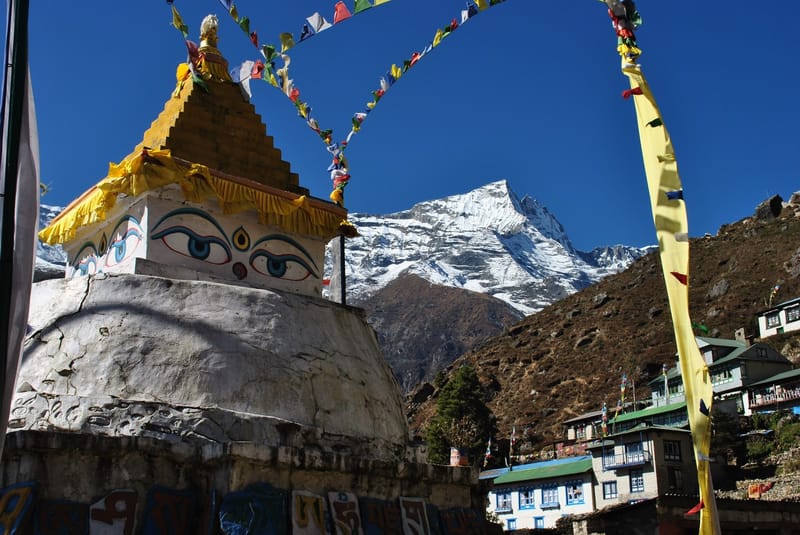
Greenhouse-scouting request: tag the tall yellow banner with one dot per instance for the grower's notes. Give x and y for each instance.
(669, 216)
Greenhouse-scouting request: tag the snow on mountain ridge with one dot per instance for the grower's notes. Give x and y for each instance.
(487, 240)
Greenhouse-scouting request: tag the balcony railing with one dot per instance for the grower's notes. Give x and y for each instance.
(761, 400)
(625, 460)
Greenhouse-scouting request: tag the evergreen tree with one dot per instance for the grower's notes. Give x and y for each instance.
(462, 419)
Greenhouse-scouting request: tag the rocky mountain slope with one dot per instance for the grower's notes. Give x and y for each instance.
(568, 358)
(422, 327)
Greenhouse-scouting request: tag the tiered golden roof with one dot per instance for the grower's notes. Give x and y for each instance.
(210, 141)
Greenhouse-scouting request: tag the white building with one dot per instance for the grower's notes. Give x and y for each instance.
(782, 318)
(534, 496)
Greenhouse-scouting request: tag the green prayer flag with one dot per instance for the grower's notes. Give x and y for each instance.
(268, 51)
(244, 24)
(701, 327)
(177, 21)
(199, 81)
(361, 5)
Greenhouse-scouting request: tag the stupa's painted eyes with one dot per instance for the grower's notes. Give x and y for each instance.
(185, 238)
(186, 242)
(283, 258)
(85, 262)
(125, 239)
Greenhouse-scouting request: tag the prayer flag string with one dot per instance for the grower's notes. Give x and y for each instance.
(268, 71)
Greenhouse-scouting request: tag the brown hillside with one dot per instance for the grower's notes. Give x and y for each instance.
(569, 358)
(423, 327)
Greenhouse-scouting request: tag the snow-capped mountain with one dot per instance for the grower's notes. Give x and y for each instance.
(50, 259)
(487, 240)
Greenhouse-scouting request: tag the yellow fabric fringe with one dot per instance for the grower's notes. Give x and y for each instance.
(672, 225)
(150, 170)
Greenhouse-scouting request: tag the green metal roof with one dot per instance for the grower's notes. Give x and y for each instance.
(733, 355)
(721, 342)
(579, 466)
(778, 378)
(650, 411)
(647, 427)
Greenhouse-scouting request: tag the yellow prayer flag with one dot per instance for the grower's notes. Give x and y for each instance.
(379, 2)
(670, 222)
(177, 21)
(287, 41)
(396, 72)
(438, 37)
(482, 4)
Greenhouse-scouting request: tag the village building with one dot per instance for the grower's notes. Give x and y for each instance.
(535, 496)
(734, 365)
(781, 318)
(642, 462)
(779, 392)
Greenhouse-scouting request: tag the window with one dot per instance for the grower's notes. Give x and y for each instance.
(609, 490)
(526, 499)
(792, 314)
(609, 457)
(722, 376)
(503, 503)
(549, 497)
(538, 522)
(574, 492)
(634, 452)
(637, 481)
(511, 524)
(674, 478)
(773, 320)
(672, 450)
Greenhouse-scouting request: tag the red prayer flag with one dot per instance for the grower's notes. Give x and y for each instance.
(628, 92)
(696, 508)
(258, 68)
(340, 12)
(682, 278)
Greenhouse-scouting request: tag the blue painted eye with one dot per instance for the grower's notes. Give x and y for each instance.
(122, 247)
(283, 258)
(186, 242)
(126, 238)
(286, 266)
(85, 262)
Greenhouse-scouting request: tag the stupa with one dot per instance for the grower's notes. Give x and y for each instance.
(187, 375)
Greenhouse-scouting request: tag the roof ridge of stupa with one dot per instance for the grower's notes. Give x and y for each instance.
(209, 121)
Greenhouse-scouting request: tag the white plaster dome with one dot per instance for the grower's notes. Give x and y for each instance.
(134, 354)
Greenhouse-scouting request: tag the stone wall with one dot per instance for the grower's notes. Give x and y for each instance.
(132, 481)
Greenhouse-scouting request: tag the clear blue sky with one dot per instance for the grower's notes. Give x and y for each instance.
(527, 91)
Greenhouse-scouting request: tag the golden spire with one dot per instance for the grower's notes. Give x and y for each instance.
(212, 65)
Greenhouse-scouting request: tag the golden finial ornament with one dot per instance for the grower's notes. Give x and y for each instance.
(212, 65)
